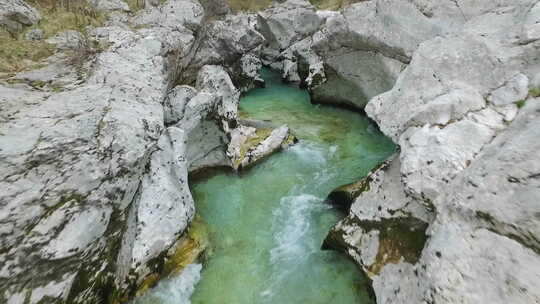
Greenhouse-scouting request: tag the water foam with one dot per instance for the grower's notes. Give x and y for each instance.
(176, 290)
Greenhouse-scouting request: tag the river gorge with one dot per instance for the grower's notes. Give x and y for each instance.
(268, 222)
(213, 151)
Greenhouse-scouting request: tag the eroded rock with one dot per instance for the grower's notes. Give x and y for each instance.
(17, 14)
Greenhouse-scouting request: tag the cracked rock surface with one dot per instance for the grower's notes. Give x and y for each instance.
(464, 115)
(93, 169)
(94, 177)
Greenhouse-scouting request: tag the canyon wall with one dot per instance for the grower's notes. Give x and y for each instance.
(95, 159)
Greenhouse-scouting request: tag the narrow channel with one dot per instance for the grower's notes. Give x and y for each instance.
(267, 224)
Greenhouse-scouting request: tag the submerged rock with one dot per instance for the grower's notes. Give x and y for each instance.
(250, 145)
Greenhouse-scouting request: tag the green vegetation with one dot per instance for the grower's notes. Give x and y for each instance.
(18, 54)
(257, 5)
(534, 92)
(332, 4)
(249, 5)
(259, 136)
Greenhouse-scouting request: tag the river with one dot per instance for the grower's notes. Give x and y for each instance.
(267, 224)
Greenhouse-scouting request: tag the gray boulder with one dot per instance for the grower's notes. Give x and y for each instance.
(482, 245)
(110, 5)
(171, 14)
(288, 22)
(223, 42)
(68, 40)
(267, 142)
(17, 14)
(175, 103)
(160, 213)
(354, 77)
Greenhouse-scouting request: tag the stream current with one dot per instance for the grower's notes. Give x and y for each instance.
(266, 225)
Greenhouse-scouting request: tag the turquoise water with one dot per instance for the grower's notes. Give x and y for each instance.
(267, 224)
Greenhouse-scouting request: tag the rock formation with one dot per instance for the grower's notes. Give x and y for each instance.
(463, 112)
(94, 172)
(94, 165)
(17, 14)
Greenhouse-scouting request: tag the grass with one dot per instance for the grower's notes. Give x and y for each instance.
(534, 92)
(333, 5)
(18, 54)
(258, 5)
(249, 5)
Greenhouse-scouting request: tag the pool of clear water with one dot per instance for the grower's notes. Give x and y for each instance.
(267, 224)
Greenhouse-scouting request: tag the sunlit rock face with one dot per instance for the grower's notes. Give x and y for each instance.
(463, 112)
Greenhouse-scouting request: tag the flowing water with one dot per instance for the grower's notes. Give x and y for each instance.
(267, 224)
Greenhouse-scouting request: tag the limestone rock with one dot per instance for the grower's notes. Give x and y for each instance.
(453, 66)
(482, 245)
(162, 211)
(249, 73)
(73, 173)
(222, 42)
(110, 5)
(17, 14)
(188, 14)
(208, 117)
(288, 22)
(68, 40)
(57, 75)
(514, 90)
(277, 139)
(175, 103)
(394, 29)
(216, 7)
(467, 169)
(354, 77)
(215, 80)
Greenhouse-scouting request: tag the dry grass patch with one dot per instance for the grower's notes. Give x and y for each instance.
(249, 5)
(258, 5)
(18, 54)
(333, 5)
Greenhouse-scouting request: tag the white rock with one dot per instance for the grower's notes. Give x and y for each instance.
(175, 103)
(16, 14)
(288, 22)
(110, 5)
(163, 209)
(268, 146)
(512, 91)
